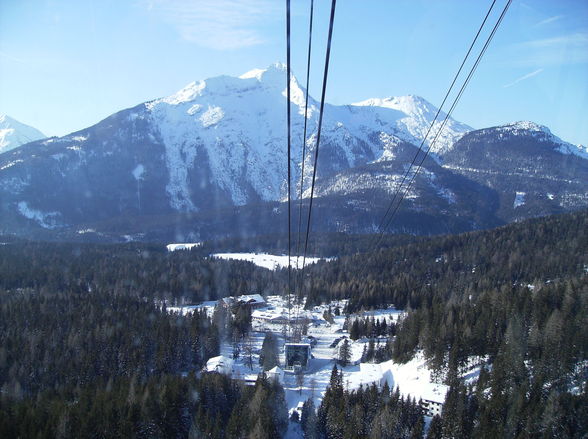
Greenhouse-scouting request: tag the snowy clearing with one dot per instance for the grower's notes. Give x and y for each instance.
(271, 262)
(182, 246)
(519, 199)
(413, 378)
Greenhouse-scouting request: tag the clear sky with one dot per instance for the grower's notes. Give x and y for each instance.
(66, 64)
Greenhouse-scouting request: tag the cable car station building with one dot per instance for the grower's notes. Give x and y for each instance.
(297, 356)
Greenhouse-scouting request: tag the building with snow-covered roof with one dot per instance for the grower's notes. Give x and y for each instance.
(269, 317)
(280, 316)
(252, 300)
(275, 374)
(220, 364)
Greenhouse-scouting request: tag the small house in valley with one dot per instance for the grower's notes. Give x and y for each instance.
(254, 301)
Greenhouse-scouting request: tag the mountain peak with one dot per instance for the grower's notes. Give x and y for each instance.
(221, 142)
(276, 68)
(415, 115)
(412, 104)
(403, 103)
(544, 134)
(273, 76)
(6, 119)
(14, 133)
(528, 125)
(270, 77)
(186, 94)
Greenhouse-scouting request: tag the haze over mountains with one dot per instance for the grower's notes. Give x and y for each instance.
(209, 161)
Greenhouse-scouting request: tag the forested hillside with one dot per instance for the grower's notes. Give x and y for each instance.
(514, 299)
(147, 271)
(456, 266)
(86, 343)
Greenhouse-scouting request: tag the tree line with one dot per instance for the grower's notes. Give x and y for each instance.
(164, 406)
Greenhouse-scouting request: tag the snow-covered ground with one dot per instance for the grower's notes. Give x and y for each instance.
(271, 262)
(519, 199)
(265, 260)
(188, 309)
(412, 378)
(182, 246)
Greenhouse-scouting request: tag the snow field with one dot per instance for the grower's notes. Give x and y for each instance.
(271, 262)
(182, 246)
(519, 199)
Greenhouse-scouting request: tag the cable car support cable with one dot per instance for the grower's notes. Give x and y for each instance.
(318, 140)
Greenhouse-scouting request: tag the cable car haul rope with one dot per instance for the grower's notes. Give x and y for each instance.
(402, 190)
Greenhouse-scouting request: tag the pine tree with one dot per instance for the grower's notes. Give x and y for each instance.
(354, 331)
(308, 420)
(344, 353)
(371, 350)
(268, 358)
(248, 351)
(435, 428)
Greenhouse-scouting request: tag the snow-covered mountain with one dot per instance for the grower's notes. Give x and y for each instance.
(209, 160)
(416, 125)
(14, 133)
(238, 125)
(542, 134)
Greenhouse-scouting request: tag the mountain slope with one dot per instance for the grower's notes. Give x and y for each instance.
(14, 133)
(209, 161)
(214, 144)
(535, 172)
(420, 115)
(236, 125)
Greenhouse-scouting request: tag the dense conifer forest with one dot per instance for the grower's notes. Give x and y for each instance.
(87, 348)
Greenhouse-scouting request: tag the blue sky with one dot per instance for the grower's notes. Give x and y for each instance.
(66, 64)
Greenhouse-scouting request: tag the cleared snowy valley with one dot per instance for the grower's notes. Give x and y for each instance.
(412, 379)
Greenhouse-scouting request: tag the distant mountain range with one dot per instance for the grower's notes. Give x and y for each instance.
(209, 161)
(14, 133)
